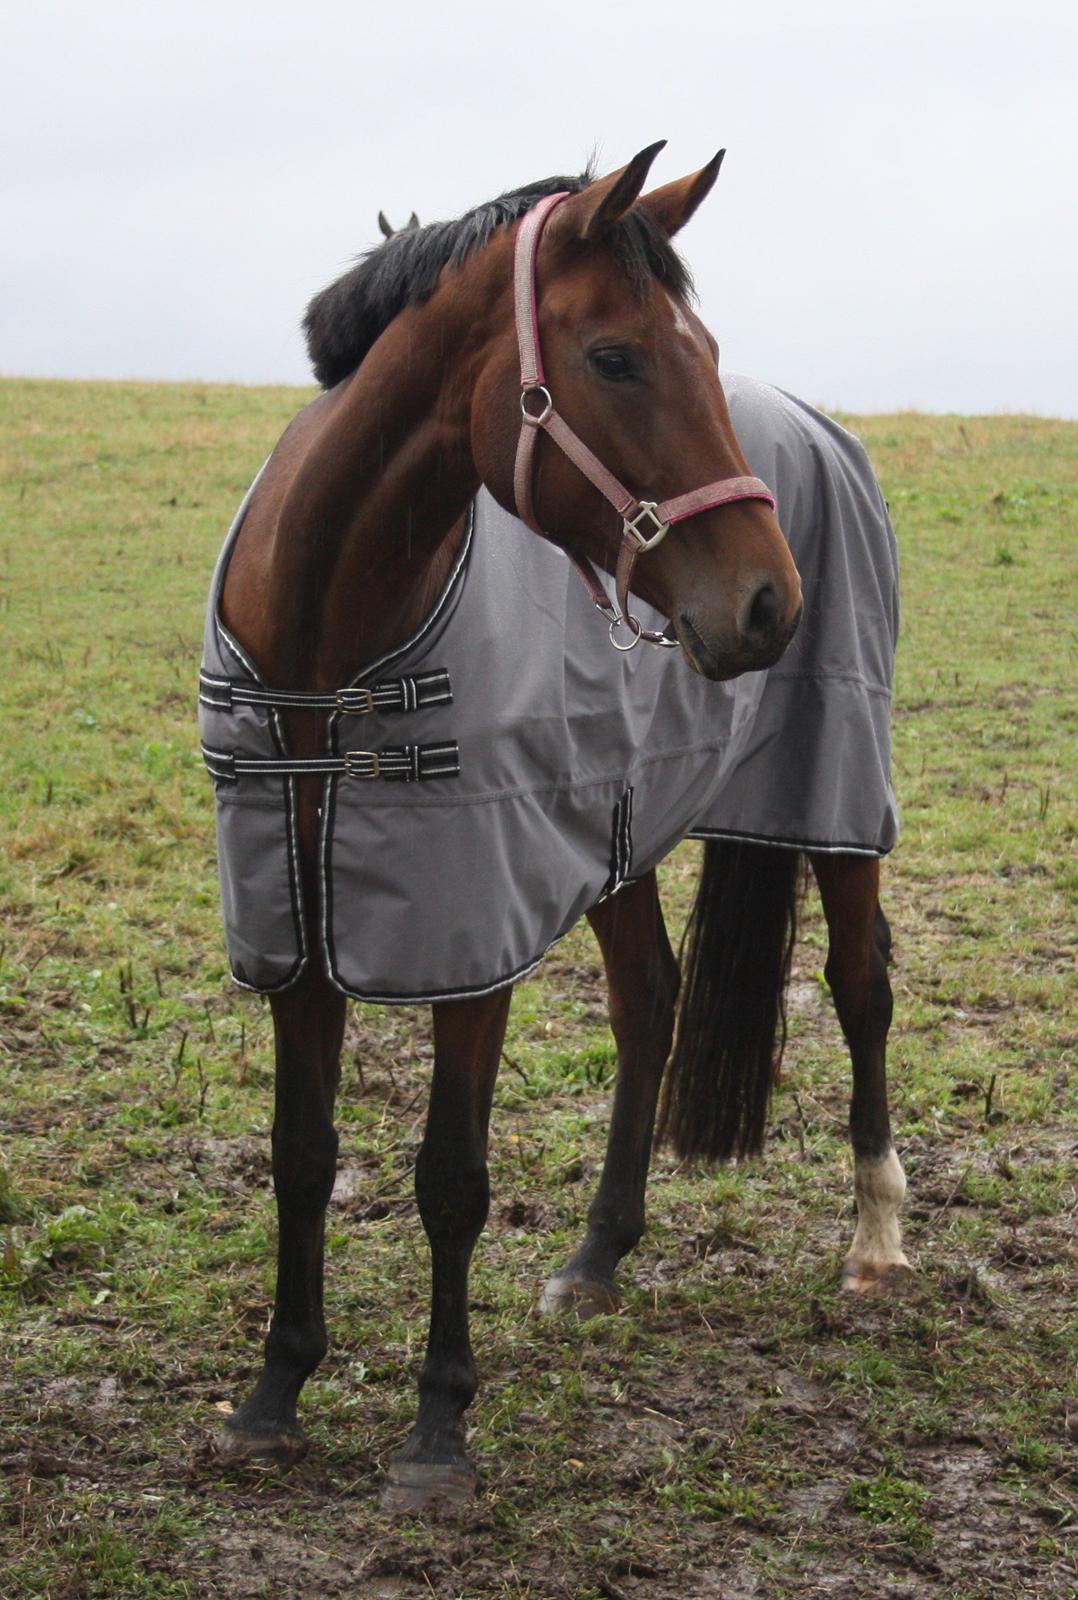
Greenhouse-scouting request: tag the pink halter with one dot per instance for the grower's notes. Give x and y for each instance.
(636, 515)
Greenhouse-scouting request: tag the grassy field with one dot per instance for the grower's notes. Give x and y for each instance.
(741, 1429)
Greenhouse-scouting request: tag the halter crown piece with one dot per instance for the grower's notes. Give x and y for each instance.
(644, 523)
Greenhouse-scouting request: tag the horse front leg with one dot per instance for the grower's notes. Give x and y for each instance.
(308, 1022)
(432, 1471)
(859, 947)
(642, 979)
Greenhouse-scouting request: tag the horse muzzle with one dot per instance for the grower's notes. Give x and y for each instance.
(752, 641)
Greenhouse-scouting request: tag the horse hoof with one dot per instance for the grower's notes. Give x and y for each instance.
(231, 1447)
(423, 1488)
(882, 1278)
(579, 1297)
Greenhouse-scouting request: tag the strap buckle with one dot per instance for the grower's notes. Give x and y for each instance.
(362, 764)
(355, 702)
(631, 525)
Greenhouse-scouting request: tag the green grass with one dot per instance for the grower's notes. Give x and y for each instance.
(741, 1427)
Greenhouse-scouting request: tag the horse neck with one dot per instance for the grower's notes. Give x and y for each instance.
(361, 523)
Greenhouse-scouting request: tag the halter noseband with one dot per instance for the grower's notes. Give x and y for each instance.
(644, 522)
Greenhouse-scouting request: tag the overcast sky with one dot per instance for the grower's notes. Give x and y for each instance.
(895, 224)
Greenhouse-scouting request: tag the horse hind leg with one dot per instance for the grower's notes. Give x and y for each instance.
(642, 976)
(308, 1024)
(859, 946)
(432, 1472)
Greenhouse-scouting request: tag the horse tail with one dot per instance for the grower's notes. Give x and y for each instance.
(731, 1031)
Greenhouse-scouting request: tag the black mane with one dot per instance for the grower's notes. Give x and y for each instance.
(344, 319)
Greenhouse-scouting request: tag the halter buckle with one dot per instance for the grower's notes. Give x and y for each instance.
(536, 419)
(631, 526)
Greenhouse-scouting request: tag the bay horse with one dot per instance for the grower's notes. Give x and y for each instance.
(486, 353)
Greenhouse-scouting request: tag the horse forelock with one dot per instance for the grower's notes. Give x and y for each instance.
(343, 320)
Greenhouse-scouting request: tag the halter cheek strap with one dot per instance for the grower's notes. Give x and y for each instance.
(644, 522)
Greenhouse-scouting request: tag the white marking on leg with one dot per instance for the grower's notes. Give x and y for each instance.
(877, 1242)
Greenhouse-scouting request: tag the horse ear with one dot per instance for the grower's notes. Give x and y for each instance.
(389, 232)
(673, 204)
(599, 206)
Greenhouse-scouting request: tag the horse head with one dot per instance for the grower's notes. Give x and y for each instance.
(633, 372)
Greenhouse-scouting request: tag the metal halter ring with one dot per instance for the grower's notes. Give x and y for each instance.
(637, 631)
(548, 407)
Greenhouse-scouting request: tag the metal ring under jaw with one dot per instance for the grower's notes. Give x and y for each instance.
(637, 631)
(541, 418)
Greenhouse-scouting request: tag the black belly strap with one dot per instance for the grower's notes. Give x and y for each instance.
(395, 694)
(403, 763)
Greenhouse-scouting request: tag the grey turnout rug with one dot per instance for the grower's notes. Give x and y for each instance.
(505, 768)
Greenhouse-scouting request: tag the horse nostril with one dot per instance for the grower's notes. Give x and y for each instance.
(763, 616)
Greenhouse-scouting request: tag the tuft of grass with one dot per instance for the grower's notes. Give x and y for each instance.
(11, 1207)
(893, 1500)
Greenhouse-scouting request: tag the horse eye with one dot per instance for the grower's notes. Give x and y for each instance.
(612, 364)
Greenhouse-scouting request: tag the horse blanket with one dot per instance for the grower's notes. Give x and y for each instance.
(505, 768)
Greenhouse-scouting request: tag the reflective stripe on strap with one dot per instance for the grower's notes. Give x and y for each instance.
(395, 694)
(405, 763)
